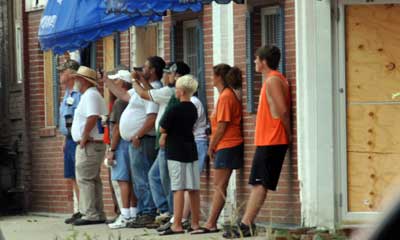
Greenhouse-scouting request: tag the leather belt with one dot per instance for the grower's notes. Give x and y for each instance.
(91, 141)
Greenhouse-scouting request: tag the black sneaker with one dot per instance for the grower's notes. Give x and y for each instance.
(240, 231)
(73, 218)
(142, 221)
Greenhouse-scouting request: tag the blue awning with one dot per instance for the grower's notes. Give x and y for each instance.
(72, 24)
(150, 7)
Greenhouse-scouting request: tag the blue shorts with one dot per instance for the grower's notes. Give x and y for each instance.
(229, 158)
(202, 148)
(120, 172)
(69, 158)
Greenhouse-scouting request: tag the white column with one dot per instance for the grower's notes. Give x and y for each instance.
(315, 112)
(223, 52)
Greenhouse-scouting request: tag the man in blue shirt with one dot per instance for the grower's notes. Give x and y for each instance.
(67, 109)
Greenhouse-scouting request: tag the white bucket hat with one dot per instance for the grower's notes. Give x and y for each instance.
(123, 75)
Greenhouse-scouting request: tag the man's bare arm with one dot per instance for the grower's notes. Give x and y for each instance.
(277, 102)
(90, 124)
(117, 91)
(141, 91)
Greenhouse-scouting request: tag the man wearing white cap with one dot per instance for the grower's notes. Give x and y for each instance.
(86, 131)
(119, 151)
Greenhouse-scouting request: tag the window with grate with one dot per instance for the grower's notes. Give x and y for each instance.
(34, 4)
(190, 45)
(272, 27)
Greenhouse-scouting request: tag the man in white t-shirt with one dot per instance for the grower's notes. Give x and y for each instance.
(137, 126)
(87, 131)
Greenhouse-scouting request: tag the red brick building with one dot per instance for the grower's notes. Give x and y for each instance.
(219, 33)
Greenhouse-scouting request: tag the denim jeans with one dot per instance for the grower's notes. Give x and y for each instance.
(202, 148)
(156, 187)
(166, 181)
(141, 159)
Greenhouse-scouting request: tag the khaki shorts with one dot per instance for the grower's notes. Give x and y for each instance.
(184, 176)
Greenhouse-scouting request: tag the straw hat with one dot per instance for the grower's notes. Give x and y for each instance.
(88, 74)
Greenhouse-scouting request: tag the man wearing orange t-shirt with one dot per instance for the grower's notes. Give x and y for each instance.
(272, 137)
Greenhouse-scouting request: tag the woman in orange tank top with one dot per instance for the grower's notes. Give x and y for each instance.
(226, 145)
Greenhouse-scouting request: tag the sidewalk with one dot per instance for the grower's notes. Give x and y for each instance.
(53, 228)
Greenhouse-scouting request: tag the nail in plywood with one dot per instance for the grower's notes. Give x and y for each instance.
(371, 179)
(373, 52)
(373, 128)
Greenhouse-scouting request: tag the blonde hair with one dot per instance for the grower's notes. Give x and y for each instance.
(188, 83)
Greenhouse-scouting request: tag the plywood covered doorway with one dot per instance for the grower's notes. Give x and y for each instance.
(373, 117)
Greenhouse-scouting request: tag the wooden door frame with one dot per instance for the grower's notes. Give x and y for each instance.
(344, 216)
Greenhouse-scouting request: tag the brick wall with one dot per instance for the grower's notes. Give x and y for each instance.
(282, 206)
(50, 192)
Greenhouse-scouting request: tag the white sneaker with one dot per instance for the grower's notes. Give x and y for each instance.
(121, 222)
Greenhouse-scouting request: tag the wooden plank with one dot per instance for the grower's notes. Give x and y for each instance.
(146, 43)
(372, 178)
(109, 61)
(373, 128)
(373, 52)
(48, 88)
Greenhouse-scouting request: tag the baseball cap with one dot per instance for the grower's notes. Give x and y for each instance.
(124, 75)
(180, 68)
(69, 64)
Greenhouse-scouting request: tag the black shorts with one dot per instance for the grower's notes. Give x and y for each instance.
(267, 165)
(229, 158)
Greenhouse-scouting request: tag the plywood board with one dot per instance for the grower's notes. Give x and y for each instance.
(372, 178)
(48, 88)
(373, 52)
(373, 128)
(109, 61)
(146, 43)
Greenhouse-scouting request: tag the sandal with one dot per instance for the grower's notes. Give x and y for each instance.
(169, 231)
(203, 230)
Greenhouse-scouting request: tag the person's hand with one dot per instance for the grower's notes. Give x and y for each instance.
(163, 140)
(110, 158)
(211, 153)
(83, 142)
(137, 75)
(135, 141)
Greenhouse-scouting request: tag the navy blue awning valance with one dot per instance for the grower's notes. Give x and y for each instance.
(72, 24)
(149, 7)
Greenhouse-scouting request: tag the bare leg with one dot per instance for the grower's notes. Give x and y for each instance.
(195, 208)
(75, 188)
(125, 193)
(186, 208)
(256, 200)
(221, 180)
(178, 210)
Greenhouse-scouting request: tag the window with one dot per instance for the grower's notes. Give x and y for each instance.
(272, 32)
(18, 34)
(190, 45)
(31, 5)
